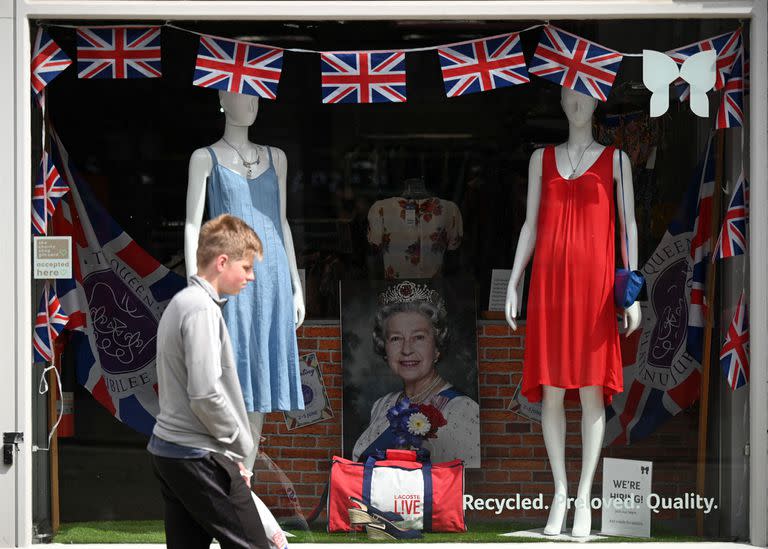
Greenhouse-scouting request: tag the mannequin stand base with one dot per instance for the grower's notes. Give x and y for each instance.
(538, 534)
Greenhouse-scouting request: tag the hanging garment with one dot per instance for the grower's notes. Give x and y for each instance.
(413, 234)
(260, 317)
(572, 335)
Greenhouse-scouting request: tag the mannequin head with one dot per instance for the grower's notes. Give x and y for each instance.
(578, 108)
(240, 109)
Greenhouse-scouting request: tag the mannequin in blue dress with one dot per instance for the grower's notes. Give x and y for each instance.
(248, 180)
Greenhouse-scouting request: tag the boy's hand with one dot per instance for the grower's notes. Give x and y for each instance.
(245, 473)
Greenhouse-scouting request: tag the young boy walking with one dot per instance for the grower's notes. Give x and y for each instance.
(202, 433)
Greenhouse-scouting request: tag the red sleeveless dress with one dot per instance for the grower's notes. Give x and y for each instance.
(572, 337)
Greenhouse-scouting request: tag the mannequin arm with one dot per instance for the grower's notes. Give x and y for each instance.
(527, 240)
(281, 166)
(199, 168)
(627, 229)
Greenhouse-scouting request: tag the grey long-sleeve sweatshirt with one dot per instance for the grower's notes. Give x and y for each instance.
(201, 404)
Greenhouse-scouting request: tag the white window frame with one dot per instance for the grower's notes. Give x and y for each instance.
(16, 176)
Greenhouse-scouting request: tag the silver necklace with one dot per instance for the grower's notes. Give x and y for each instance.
(568, 152)
(242, 158)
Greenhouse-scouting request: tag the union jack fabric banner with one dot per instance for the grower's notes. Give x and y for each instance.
(238, 67)
(733, 235)
(363, 77)
(482, 65)
(734, 357)
(727, 47)
(48, 61)
(49, 323)
(118, 52)
(731, 111)
(575, 63)
(701, 248)
(48, 190)
(114, 300)
(661, 378)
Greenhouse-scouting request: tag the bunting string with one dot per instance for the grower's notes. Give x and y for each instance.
(379, 76)
(170, 25)
(243, 65)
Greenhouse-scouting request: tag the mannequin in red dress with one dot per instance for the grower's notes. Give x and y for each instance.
(572, 333)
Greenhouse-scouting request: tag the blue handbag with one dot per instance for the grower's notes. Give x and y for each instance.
(627, 284)
(626, 287)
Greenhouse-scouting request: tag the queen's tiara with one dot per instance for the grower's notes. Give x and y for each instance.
(409, 292)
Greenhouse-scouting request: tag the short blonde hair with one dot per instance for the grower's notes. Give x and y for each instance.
(229, 235)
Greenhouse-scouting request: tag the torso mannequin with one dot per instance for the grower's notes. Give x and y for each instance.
(241, 111)
(413, 234)
(580, 154)
(247, 167)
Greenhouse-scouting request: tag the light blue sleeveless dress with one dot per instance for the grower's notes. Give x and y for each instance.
(260, 317)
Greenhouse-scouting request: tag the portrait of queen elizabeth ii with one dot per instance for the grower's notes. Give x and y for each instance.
(410, 371)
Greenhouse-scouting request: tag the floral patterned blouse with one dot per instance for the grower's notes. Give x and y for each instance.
(413, 234)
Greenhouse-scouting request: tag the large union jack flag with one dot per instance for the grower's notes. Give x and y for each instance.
(238, 67)
(48, 61)
(482, 65)
(363, 77)
(731, 111)
(661, 377)
(575, 63)
(733, 235)
(701, 248)
(727, 47)
(118, 52)
(734, 357)
(48, 190)
(114, 301)
(49, 323)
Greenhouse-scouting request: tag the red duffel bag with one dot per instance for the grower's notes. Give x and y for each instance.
(429, 496)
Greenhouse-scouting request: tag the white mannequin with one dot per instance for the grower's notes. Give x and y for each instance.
(240, 112)
(583, 151)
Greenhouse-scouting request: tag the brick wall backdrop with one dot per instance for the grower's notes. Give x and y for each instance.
(514, 459)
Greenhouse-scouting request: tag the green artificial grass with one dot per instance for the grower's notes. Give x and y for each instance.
(112, 531)
(151, 531)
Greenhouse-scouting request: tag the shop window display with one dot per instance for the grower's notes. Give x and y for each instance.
(429, 191)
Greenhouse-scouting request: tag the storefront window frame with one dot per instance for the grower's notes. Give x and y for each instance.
(17, 282)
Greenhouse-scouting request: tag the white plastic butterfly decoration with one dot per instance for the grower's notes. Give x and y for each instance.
(659, 71)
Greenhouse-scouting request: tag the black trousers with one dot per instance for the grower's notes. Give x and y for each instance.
(207, 498)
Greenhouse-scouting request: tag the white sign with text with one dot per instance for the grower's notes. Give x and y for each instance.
(498, 295)
(626, 489)
(52, 257)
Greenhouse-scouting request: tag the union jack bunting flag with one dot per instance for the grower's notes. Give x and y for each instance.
(701, 248)
(363, 77)
(575, 63)
(118, 52)
(49, 323)
(482, 65)
(48, 190)
(734, 357)
(238, 67)
(731, 111)
(114, 300)
(733, 235)
(48, 61)
(727, 47)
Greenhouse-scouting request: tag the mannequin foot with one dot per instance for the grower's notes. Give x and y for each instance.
(582, 520)
(557, 515)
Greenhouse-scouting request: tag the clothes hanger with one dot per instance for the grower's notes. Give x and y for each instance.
(415, 188)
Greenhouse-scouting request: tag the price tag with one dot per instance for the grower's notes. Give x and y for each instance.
(410, 214)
